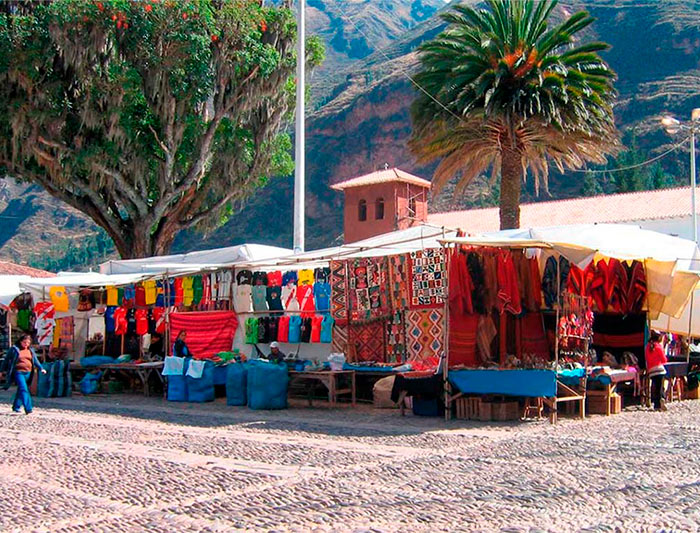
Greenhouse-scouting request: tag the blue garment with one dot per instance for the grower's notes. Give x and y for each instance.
(22, 396)
(180, 349)
(160, 297)
(289, 276)
(294, 329)
(12, 357)
(322, 295)
(109, 319)
(327, 329)
(130, 293)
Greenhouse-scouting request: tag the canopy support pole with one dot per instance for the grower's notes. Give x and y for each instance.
(446, 339)
(690, 326)
(558, 308)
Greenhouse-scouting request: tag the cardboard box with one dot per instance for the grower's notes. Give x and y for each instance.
(693, 394)
(595, 404)
(504, 411)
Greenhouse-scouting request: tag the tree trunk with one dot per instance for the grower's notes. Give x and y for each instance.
(511, 184)
(140, 243)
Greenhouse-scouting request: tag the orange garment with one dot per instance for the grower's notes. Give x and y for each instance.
(24, 361)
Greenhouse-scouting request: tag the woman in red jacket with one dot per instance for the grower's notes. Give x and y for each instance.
(655, 359)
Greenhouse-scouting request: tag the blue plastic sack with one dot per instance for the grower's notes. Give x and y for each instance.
(177, 385)
(201, 389)
(237, 384)
(42, 384)
(267, 385)
(95, 360)
(220, 373)
(90, 383)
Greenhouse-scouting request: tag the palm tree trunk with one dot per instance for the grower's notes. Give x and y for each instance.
(511, 182)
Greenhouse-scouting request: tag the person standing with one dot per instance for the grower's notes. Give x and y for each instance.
(21, 363)
(180, 348)
(655, 359)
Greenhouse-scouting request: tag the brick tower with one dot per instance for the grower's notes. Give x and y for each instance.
(381, 202)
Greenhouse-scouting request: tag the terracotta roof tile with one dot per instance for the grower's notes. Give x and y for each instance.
(13, 269)
(382, 176)
(613, 208)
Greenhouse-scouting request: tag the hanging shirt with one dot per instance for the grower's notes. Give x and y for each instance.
(131, 321)
(109, 319)
(59, 297)
(197, 290)
(259, 278)
(294, 329)
(179, 292)
(259, 297)
(306, 330)
(316, 323)
(243, 302)
(158, 314)
(24, 319)
(289, 297)
(206, 290)
(120, 322)
(289, 277)
(160, 294)
(130, 293)
(306, 301)
(244, 277)
(44, 322)
(225, 284)
(150, 289)
(273, 325)
(141, 316)
(327, 329)
(214, 286)
(112, 296)
(140, 298)
(262, 330)
(274, 279)
(187, 291)
(274, 298)
(306, 277)
(283, 329)
(86, 300)
(251, 331)
(322, 296)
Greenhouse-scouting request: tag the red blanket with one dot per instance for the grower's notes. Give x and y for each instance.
(208, 332)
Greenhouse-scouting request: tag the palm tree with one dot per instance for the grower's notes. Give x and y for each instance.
(504, 89)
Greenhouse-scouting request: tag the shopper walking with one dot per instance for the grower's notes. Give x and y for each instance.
(655, 359)
(20, 366)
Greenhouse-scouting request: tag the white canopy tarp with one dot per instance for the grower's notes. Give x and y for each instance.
(396, 242)
(10, 289)
(688, 322)
(664, 256)
(193, 261)
(39, 287)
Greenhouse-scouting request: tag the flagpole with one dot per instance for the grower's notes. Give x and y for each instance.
(300, 156)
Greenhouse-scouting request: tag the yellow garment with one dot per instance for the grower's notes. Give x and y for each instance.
(59, 299)
(150, 287)
(187, 290)
(306, 277)
(112, 296)
(57, 334)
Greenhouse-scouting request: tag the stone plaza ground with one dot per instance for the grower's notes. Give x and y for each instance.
(129, 463)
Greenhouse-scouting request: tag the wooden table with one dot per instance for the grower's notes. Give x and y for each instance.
(142, 370)
(608, 389)
(330, 379)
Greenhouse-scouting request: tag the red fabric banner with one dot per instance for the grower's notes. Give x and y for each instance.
(208, 332)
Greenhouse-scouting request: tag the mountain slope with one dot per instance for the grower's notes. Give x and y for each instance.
(364, 121)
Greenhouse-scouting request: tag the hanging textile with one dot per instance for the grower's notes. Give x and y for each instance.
(424, 334)
(427, 287)
(550, 283)
(339, 292)
(460, 296)
(208, 333)
(339, 343)
(367, 285)
(44, 322)
(490, 263)
(477, 276)
(620, 282)
(508, 287)
(368, 339)
(601, 287)
(398, 281)
(533, 339)
(637, 289)
(462, 334)
(396, 338)
(485, 333)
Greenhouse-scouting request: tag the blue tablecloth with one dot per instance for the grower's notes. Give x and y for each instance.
(529, 383)
(571, 377)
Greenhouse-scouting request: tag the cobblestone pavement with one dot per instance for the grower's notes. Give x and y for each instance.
(128, 463)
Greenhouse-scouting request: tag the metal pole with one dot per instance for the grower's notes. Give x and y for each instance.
(690, 326)
(692, 182)
(299, 159)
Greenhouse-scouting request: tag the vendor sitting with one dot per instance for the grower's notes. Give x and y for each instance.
(180, 348)
(275, 355)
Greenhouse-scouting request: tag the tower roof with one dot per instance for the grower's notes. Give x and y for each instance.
(382, 176)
